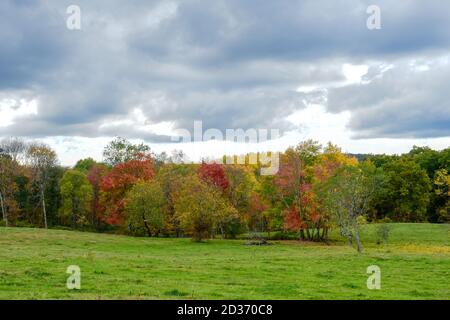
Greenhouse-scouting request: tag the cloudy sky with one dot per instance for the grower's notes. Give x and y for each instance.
(145, 69)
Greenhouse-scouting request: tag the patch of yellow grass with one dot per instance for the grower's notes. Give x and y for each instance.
(423, 249)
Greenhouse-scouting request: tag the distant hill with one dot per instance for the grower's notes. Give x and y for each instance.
(359, 156)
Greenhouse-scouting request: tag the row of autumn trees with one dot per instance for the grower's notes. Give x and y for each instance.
(137, 192)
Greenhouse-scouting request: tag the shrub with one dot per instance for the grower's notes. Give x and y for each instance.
(361, 220)
(383, 231)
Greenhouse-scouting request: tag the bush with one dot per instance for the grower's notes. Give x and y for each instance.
(232, 227)
(361, 220)
(383, 231)
(256, 239)
(24, 224)
(282, 235)
(385, 220)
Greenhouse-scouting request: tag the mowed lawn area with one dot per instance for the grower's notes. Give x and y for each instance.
(33, 263)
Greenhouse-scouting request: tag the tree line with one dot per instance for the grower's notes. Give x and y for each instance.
(137, 192)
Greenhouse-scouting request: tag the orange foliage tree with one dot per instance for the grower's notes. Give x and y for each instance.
(294, 186)
(95, 176)
(119, 181)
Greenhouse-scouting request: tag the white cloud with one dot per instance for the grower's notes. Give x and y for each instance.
(314, 123)
(12, 109)
(354, 73)
(137, 121)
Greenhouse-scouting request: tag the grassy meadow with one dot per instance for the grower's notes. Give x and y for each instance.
(415, 264)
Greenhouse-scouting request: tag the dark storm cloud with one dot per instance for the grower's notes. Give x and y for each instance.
(231, 64)
(31, 43)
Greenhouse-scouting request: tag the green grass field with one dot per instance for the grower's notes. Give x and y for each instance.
(33, 262)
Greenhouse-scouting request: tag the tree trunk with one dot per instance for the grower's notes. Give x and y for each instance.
(5, 215)
(302, 234)
(73, 217)
(355, 226)
(146, 226)
(94, 210)
(43, 208)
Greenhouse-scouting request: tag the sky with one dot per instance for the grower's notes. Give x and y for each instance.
(148, 70)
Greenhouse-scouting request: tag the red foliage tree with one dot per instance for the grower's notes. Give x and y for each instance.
(119, 181)
(292, 220)
(294, 183)
(214, 173)
(254, 216)
(95, 176)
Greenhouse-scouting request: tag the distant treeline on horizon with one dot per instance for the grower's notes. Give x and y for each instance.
(137, 192)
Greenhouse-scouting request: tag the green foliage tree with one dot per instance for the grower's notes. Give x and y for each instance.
(347, 195)
(53, 193)
(433, 162)
(444, 159)
(380, 160)
(84, 165)
(442, 194)
(145, 208)
(426, 158)
(121, 150)
(22, 196)
(406, 194)
(76, 194)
